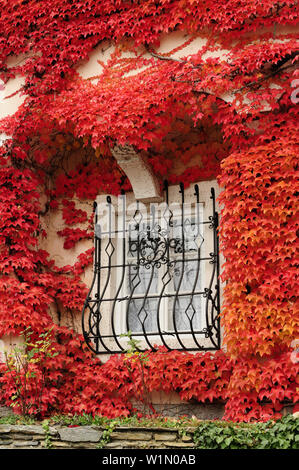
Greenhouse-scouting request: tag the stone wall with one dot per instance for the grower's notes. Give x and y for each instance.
(92, 437)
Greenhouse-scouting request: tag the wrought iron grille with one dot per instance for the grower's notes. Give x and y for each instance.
(150, 279)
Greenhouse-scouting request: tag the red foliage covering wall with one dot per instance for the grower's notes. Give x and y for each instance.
(258, 222)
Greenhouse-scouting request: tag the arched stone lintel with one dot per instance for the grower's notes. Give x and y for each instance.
(144, 183)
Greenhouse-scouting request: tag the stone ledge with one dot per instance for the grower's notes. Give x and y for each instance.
(29, 443)
(165, 436)
(5, 441)
(131, 436)
(147, 429)
(26, 429)
(180, 445)
(89, 437)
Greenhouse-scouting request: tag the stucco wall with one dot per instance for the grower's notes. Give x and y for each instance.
(7, 345)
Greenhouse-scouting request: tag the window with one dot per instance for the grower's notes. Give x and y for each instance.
(164, 281)
(156, 273)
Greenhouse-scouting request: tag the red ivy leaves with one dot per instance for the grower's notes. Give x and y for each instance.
(257, 150)
(78, 383)
(71, 215)
(258, 231)
(73, 235)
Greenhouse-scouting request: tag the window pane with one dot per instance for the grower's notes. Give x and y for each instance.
(186, 276)
(190, 232)
(142, 311)
(187, 313)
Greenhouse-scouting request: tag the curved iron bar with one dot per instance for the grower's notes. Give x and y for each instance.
(196, 193)
(209, 333)
(142, 307)
(88, 298)
(214, 319)
(182, 268)
(130, 297)
(123, 272)
(96, 277)
(215, 261)
(108, 277)
(168, 222)
(165, 284)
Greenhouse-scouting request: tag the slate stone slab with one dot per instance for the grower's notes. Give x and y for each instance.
(132, 436)
(25, 429)
(165, 436)
(25, 444)
(80, 434)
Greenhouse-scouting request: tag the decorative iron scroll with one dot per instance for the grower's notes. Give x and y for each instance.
(151, 279)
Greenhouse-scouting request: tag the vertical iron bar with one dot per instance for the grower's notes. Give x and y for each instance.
(216, 251)
(217, 286)
(167, 266)
(100, 295)
(129, 300)
(214, 221)
(196, 193)
(88, 298)
(182, 267)
(97, 241)
(124, 207)
(144, 300)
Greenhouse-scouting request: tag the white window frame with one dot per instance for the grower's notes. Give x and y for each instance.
(165, 307)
